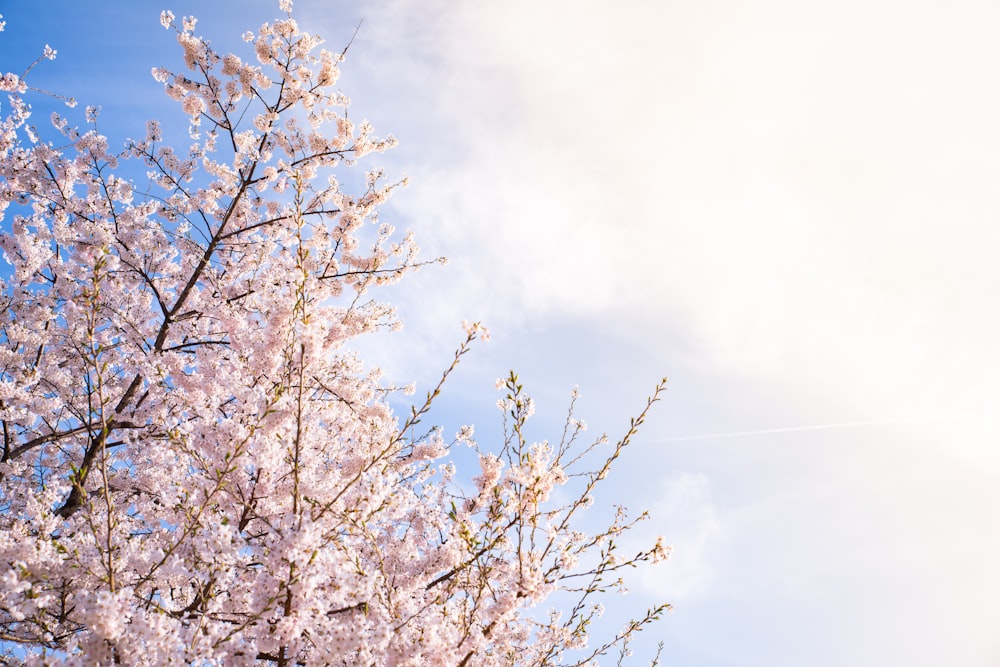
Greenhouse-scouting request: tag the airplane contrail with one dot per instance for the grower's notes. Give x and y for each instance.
(816, 427)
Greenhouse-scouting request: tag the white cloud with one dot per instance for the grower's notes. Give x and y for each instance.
(803, 190)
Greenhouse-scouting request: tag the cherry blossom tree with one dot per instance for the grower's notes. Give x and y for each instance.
(195, 467)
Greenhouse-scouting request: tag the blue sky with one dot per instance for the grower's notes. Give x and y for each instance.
(788, 208)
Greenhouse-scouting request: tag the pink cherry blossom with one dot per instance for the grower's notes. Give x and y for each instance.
(195, 468)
